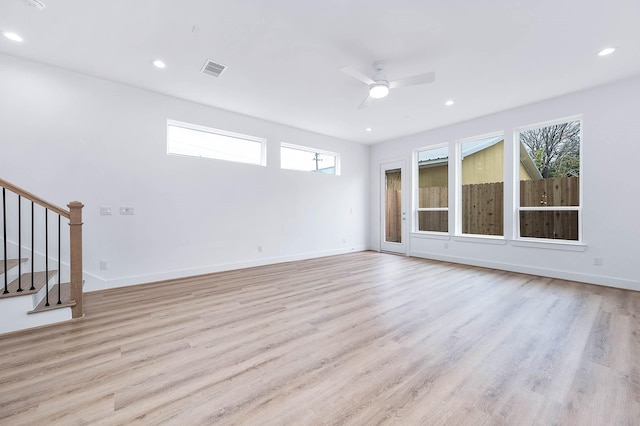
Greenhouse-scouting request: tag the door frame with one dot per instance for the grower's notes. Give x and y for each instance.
(392, 247)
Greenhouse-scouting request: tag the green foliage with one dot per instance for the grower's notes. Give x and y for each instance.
(555, 149)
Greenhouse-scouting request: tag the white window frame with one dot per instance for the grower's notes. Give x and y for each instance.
(458, 184)
(311, 150)
(199, 128)
(416, 191)
(518, 208)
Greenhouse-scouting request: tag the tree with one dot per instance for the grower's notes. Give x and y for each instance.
(555, 149)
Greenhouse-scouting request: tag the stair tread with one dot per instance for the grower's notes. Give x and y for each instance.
(39, 281)
(65, 296)
(11, 263)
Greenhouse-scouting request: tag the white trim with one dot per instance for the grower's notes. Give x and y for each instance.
(102, 284)
(415, 189)
(307, 148)
(543, 272)
(549, 244)
(575, 117)
(481, 238)
(516, 198)
(458, 181)
(312, 150)
(404, 231)
(431, 235)
(480, 137)
(211, 130)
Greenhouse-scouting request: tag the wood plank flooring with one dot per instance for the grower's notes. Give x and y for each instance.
(364, 339)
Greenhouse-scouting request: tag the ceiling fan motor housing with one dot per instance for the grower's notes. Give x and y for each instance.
(36, 4)
(379, 76)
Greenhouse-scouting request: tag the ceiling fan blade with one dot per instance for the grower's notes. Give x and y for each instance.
(413, 81)
(357, 75)
(367, 101)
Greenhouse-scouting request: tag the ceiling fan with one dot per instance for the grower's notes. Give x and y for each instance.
(379, 86)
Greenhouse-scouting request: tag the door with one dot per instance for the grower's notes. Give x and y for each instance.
(393, 213)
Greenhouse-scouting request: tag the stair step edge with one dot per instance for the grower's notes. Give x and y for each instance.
(11, 263)
(65, 296)
(52, 306)
(39, 283)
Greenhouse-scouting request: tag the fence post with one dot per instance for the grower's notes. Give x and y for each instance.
(75, 257)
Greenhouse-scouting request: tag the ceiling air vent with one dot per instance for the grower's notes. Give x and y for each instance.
(212, 68)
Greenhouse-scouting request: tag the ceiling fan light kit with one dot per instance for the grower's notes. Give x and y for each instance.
(379, 86)
(379, 89)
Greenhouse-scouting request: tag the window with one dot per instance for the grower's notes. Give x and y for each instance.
(481, 186)
(549, 175)
(432, 197)
(294, 157)
(198, 141)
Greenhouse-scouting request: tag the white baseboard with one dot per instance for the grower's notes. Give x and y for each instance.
(95, 283)
(551, 273)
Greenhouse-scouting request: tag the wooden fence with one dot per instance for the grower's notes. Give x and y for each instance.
(550, 192)
(554, 224)
(482, 208)
(393, 220)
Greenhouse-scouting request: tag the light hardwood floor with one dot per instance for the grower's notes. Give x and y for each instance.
(365, 339)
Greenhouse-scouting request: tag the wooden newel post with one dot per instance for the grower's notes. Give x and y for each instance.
(75, 261)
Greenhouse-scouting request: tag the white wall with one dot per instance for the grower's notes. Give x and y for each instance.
(66, 136)
(611, 204)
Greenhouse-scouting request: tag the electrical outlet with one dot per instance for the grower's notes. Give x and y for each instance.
(105, 211)
(446, 245)
(104, 265)
(597, 261)
(126, 210)
(259, 249)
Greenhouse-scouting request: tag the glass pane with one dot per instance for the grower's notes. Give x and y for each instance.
(199, 143)
(433, 178)
(552, 192)
(393, 203)
(433, 221)
(307, 160)
(552, 224)
(550, 165)
(483, 186)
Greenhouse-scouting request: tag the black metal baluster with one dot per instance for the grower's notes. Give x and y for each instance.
(19, 243)
(46, 252)
(4, 227)
(33, 259)
(59, 269)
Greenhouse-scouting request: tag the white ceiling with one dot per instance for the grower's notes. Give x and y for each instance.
(284, 56)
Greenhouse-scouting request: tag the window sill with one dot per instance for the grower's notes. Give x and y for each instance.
(498, 240)
(552, 245)
(431, 235)
(482, 239)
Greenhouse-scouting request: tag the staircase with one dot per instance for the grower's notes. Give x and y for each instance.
(40, 282)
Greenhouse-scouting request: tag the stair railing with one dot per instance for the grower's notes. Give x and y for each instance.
(74, 216)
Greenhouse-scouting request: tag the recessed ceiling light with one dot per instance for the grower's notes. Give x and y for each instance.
(449, 102)
(13, 36)
(607, 51)
(159, 64)
(369, 129)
